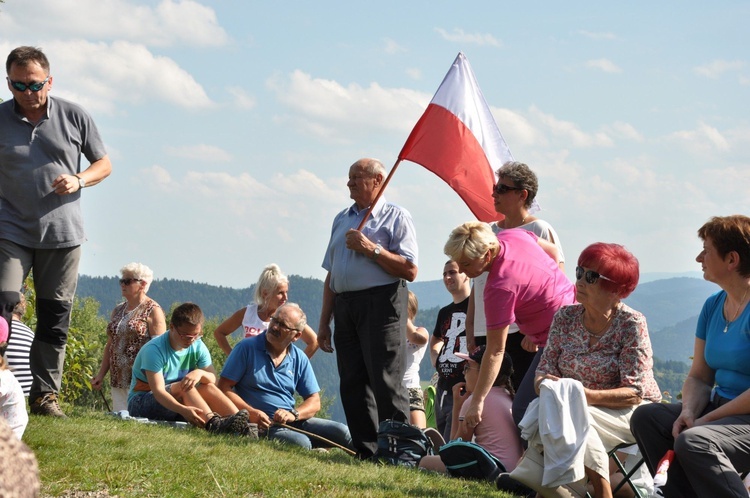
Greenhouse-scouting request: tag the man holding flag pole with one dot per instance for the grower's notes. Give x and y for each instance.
(457, 139)
(371, 254)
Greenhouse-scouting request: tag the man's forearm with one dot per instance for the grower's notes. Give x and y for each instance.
(326, 309)
(397, 265)
(97, 171)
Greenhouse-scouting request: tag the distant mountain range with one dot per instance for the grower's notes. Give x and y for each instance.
(671, 307)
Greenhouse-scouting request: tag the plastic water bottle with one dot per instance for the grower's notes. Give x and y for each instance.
(660, 479)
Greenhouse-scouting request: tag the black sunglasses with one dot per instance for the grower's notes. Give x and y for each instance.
(34, 87)
(591, 275)
(128, 281)
(500, 188)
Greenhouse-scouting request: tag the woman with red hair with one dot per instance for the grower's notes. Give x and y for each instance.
(604, 345)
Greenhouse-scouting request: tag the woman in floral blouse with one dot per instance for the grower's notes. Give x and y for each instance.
(133, 323)
(603, 344)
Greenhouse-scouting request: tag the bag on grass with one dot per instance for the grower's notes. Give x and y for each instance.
(400, 443)
(470, 461)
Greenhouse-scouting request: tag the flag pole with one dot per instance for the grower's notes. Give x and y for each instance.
(377, 197)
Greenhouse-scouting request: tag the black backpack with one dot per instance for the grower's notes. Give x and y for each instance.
(400, 443)
(470, 461)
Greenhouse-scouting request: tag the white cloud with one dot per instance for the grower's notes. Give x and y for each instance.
(200, 152)
(597, 36)
(99, 76)
(331, 110)
(517, 130)
(570, 132)
(159, 178)
(458, 35)
(241, 98)
(414, 73)
(703, 140)
(170, 23)
(392, 47)
(718, 67)
(276, 198)
(605, 65)
(625, 130)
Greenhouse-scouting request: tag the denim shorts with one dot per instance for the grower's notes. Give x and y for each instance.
(145, 405)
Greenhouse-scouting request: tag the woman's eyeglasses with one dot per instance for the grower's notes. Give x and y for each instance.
(34, 87)
(128, 281)
(500, 188)
(591, 275)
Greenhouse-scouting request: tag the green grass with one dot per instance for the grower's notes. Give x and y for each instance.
(95, 452)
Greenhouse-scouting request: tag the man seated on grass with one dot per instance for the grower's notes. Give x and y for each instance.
(173, 379)
(263, 372)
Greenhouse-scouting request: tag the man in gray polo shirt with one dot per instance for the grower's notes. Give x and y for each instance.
(42, 139)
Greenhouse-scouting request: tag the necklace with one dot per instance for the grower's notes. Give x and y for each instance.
(598, 334)
(736, 312)
(126, 315)
(505, 223)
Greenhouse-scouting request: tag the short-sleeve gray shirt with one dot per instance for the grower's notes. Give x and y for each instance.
(31, 157)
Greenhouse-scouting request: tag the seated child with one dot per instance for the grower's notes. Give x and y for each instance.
(496, 433)
(416, 345)
(12, 401)
(173, 379)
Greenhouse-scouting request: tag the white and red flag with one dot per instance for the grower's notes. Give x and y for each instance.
(457, 139)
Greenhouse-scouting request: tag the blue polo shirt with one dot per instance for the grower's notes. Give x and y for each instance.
(263, 386)
(31, 157)
(389, 225)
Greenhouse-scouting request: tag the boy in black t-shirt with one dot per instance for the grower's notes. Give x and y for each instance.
(448, 338)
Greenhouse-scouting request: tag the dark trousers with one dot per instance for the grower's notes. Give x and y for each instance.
(55, 280)
(707, 457)
(444, 412)
(522, 359)
(525, 393)
(369, 331)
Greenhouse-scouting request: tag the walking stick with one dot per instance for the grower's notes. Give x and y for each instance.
(320, 438)
(105, 400)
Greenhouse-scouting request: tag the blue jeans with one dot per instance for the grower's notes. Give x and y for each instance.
(145, 405)
(329, 429)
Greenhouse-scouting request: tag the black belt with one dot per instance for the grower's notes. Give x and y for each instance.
(372, 290)
(719, 400)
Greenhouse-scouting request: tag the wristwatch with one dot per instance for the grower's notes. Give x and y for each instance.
(81, 182)
(376, 252)
(294, 412)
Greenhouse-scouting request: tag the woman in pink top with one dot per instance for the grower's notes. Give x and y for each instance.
(524, 285)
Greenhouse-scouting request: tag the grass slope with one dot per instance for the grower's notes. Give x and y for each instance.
(95, 452)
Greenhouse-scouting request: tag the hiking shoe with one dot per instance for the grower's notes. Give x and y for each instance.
(505, 482)
(252, 431)
(231, 424)
(47, 405)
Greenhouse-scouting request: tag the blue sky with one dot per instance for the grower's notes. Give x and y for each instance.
(231, 124)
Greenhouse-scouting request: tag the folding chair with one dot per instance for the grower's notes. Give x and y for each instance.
(627, 475)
